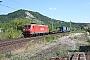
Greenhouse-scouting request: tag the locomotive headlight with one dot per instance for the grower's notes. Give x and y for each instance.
(28, 29)
(23, 29)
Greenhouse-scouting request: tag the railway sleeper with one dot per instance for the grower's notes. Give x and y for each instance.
(79, 56)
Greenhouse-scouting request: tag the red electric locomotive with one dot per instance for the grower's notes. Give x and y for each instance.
(34, 29)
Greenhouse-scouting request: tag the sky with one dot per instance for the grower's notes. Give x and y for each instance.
(75, 10)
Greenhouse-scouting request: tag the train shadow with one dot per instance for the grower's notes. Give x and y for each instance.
(85, 49)
(73, 50)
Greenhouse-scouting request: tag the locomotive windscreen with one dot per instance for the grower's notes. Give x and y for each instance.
(27, 26)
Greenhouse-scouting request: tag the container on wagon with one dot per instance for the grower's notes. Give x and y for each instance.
(63, 29)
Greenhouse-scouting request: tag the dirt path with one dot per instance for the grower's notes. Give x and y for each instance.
(42, 50)
(69, 40)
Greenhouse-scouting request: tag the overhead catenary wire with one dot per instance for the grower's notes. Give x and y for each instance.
(19, 3)
(8, 7)
(12, 7)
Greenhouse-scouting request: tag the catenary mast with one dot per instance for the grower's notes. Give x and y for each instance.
(70, 25)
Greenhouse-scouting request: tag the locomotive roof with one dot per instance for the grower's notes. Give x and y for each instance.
(36, 24)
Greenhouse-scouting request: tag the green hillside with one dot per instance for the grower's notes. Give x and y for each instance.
(12, 23)
(36, 17)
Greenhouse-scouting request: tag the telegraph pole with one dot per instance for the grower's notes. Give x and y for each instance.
(70, 25)
(52, 25)
(0, 0)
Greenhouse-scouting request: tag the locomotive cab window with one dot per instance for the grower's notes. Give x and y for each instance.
(33, 26)
(27, 26)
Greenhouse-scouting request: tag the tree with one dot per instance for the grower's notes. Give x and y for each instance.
(5, 26)
(50, 27)
(18, 23)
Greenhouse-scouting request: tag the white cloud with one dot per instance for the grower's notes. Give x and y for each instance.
(52, 8)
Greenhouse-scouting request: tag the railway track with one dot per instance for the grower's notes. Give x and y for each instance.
(79, 56)
(12, 44)
(76, 56)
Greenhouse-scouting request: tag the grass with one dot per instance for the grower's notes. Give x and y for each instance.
(5, 56)
(77, 31)
(45, 40)
(1, 56)
(62, 52)
(80, 37)
(7, 35)
(88, 39)
(33, 43)
(49, 38)
(3, 35)
(56, 52)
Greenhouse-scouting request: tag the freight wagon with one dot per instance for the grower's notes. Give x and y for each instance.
(63, 29)
(34, 29)
(68, 29)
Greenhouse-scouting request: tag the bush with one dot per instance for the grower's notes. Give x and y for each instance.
(88, 39)
(49, 38)
(14, 33)
(13, 28)
(88, 30)
(3, 35)
(73, 29)
(57, 53)
(11, 33)
(1, 56)
(8, 55)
